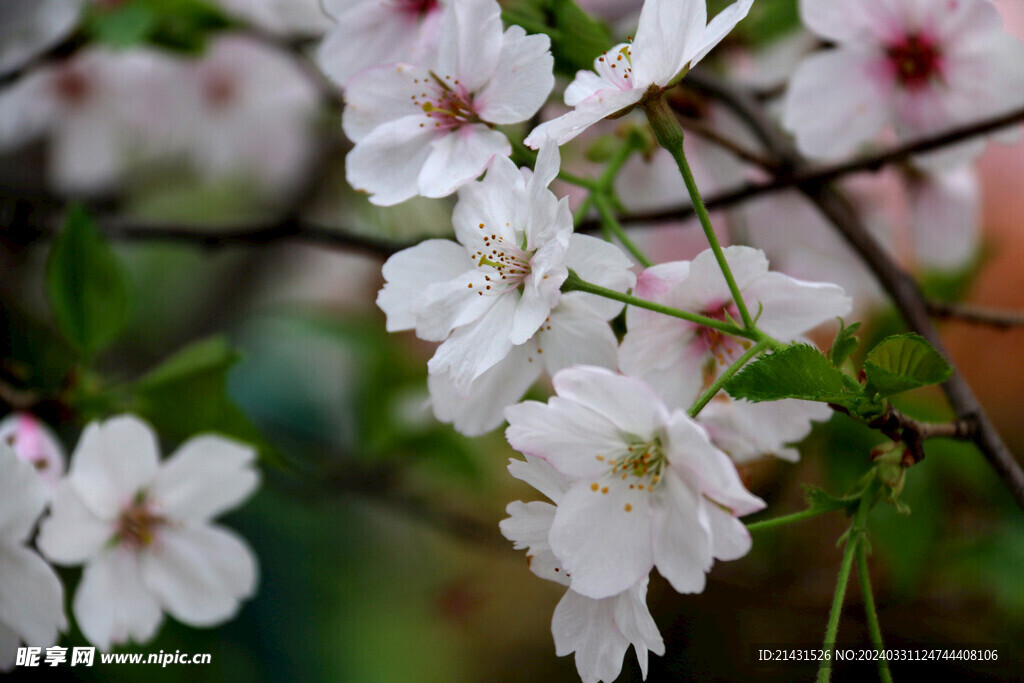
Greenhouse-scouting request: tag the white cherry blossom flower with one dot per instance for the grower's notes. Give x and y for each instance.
(496, 288)
(302, 17)
(35, 443)
(598, 631)
(31, 595)
(143, 530)
(747, 431)
(921, 66)
(673, 355)
(428, 129)
(369, 33)
(672, 36)
(575, 333)
(648, 489)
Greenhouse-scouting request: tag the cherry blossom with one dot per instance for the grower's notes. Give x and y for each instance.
(674, 355)
(142, 529)
(369, 33)
(428, 129)
(35, 443)
(496, 288)
(302, 17)
(671, 38)
(31, 595)
(598, 631)
(921, 66)
(648, 488)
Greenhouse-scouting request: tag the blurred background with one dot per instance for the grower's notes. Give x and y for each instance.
(204, 141)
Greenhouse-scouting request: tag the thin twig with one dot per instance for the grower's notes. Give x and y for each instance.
(978, 315)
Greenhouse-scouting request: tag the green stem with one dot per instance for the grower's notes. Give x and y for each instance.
(872, 613)
(609, 221)
(854, 537)
(717, 385)
(786, 519)
(575, 283)
(670, 136)
(581, 211)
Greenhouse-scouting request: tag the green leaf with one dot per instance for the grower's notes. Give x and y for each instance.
(798, 371)
(820, 499)
(577, 39)
(187, 395)
(86, 285)
(180, 25)
(845, 343)
(121, 26)
(904, 362)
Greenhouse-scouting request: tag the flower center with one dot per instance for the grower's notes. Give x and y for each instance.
(417, 7)
(916, 60)
(138, 524)
(617, 67)
(73, 87)
(219, 90)
(446, 102)
(504, 265)
(643, 460)
(722, 346)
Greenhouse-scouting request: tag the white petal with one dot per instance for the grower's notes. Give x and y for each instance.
(602, 535)
(31, 597)
(459, 157)
(483, 407)
(207, 476)
(583, 86)
(386, 163)
(113, 461)
(498, 202)
(601, 104)
(587, 627)
(565, 434)
(541, 476)
(476, 347)
(9, 644)
(366, 34)
(791, 307)
(730, 539)
(842, 20)
(696, 460)
(718, 28)
(22, 496)
(666, 354)
(945, 218)
(31, 26)
(575, 335)
(522, 80)
(681, 534)
(36, 443)
(72, 533)
(628, 403)
(470, 42)
(111, 605)
(200, 573)
(409, 272)
(379, 95)
(668, 33)
(747, 431)
(655, 284)
(603, 264)
(829, 121)
(635, 622)
(527, 527)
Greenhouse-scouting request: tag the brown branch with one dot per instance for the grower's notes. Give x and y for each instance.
(978, 315)
(900, 286)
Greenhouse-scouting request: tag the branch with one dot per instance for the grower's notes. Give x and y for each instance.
(978, 315)
(898, 284)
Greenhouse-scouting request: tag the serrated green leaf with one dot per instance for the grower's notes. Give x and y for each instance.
(820, 499)
(798, 371)
(845, 343)
(86, 285)
(904, 362)
(187, 395)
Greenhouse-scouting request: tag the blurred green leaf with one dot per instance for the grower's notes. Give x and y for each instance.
(186, 395)
(845, 343)
(798, 371)
(86, 285)
(180, 25)
(820, 499)
(904, 362)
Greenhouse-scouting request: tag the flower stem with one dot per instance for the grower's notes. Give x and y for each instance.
(670, 136)
(787, 519)
(575, 284)
(717, 385)
(872, 613)
(854, 538)
(608, 220)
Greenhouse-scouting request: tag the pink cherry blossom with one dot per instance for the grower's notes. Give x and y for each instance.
(428, 129)
(35, 443)
(672, 36)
